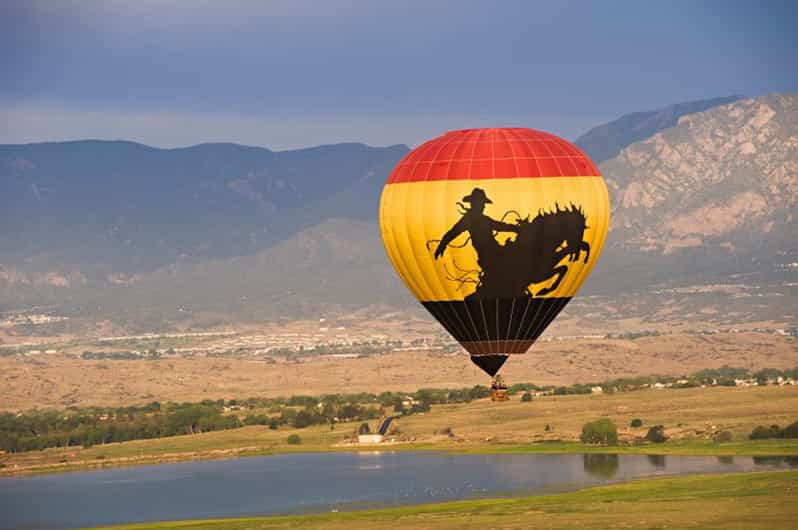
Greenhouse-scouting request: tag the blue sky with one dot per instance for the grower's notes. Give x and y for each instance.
(297, 73)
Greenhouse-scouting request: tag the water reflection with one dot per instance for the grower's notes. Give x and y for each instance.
(656, 460)
(726, 460)
(602, 466)
(790, 461)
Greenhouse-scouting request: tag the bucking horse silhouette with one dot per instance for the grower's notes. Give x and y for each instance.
(535, 256)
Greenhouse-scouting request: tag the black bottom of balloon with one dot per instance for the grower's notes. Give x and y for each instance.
(499, 326)
(489, 364)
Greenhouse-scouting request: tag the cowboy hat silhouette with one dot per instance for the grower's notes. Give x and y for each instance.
(477, 196)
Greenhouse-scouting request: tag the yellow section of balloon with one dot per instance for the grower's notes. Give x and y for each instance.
(415, 215)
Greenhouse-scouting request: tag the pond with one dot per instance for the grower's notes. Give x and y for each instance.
(322, 482)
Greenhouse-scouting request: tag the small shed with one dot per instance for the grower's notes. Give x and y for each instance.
(369, 439)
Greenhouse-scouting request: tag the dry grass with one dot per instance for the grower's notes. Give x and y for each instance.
(686, 413)
(689, 415)
(58, 381)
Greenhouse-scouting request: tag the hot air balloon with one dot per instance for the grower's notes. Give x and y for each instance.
(494, 231)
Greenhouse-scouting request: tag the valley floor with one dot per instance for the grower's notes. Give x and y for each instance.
(67, 380)
(691, 418)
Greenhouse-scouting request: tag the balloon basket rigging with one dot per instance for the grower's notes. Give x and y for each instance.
(498, 389)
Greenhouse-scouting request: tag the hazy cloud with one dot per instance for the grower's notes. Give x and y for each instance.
(184, 17)
(297, 72)
(165, 128)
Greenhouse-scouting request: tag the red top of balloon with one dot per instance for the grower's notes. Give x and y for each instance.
(496, 153)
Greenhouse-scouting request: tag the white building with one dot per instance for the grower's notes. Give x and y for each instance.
(408, 402)
(369, 439)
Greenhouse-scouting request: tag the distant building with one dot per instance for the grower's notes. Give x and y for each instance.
(408, 401)
(372, 439)
(369, 439)
(596, 390)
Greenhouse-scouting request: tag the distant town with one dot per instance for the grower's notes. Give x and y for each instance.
(282, 344)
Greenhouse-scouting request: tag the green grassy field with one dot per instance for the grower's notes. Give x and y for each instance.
(751, 500)
(690, 417)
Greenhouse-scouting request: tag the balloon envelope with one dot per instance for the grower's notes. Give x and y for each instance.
(494, 231)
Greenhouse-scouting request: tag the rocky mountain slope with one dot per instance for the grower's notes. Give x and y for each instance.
(606, 141)
(718, 192)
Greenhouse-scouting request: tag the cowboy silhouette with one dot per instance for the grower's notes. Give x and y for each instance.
(481, 228)
(535, 256)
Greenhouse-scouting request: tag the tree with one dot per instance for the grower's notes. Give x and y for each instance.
(761, 432)
(479, 392)
(602, 466)
(602, 431)
(790, 431)
(294, 439)
(724, 436)
(364, 428)
(424, 406)
(256, 419)
(303, 419)
(350, 411)
(656, 434)
(526, 397)
(637, 422)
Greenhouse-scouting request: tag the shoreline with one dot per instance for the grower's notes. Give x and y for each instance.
(759, 448)
(553, 424)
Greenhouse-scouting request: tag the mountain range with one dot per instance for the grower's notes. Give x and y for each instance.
(606, 141)
(700, 191)
(716, 195)
(125, 208)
